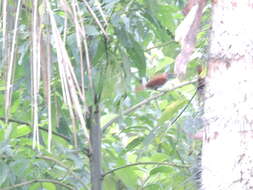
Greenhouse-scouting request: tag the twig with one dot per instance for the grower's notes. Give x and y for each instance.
(200, 86)
(183, 110)
(160, 45)
(96, 19)
(41, 128)
(36, 181)
(145, 163)
(140, 104)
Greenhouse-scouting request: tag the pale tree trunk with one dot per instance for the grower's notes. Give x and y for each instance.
(95, 150)
(227, 154)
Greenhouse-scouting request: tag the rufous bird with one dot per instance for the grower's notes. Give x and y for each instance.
(156, 82)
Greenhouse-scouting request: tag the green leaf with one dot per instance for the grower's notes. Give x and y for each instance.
(91, 30)
(20, 166)
(128, 176)
(48, 186)
(158, 157)
(156, 26)
(20, 130)
(2, 88)
(152, 187)
(106, 118)
(165, 16)
(4, 172)
(1, 134)
(109, 183)
(134, 143)
(162, 65)
(98, 50)
(171, 109)
(161, 169)
(151, 136)
(134, 50)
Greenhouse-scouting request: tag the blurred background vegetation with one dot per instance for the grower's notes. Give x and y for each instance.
(59, 58)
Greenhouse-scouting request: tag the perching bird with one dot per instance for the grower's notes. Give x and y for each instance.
(156, 82)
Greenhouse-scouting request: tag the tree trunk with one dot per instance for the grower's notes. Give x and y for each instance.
(95, 152)
(227, 155)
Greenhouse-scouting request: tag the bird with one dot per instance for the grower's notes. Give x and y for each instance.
(156, 82)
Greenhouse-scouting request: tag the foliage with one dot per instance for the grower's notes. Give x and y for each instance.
(140, 44)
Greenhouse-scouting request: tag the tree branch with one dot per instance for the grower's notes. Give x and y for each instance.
(145, 163)
(140, 104)
(41, 128)
(161, 45)
(183, 110)
(39, 180)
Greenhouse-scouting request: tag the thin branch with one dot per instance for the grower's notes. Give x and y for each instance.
(39, 181)
(183, 110)
(70, 86)
(62, 165)
(146, 101)
(41, 128)
(11, 63)
(96, 19)
(35, 72)
(98, 5)
(145, 163)
(16, 121)
(161, 45)
(4, 35)
(200, 86)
